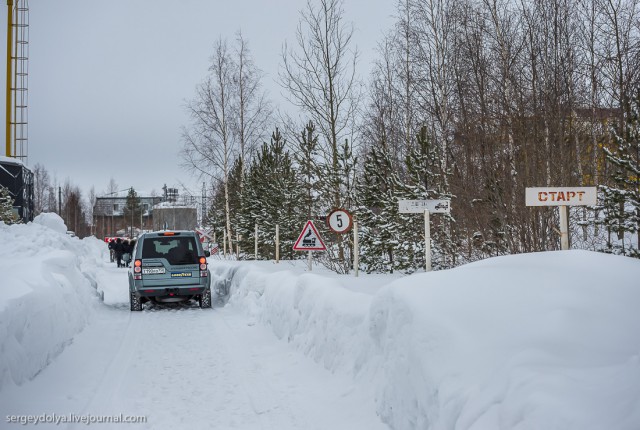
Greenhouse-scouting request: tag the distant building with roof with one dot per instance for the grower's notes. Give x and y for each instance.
(169, 211)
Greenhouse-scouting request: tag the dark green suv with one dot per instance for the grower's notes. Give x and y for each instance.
(169, 266)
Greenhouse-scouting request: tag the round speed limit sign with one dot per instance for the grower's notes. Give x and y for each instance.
(340, 221)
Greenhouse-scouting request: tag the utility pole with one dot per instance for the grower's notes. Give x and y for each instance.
(9, 76)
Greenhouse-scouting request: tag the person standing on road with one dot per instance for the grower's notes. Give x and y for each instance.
(128, 251)
(118, 248)
(132, 245)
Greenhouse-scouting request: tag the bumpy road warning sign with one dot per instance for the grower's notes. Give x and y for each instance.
(309, 239)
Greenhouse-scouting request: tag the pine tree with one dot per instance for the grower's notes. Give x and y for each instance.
(378, 211)
(133, 209)
(306, 157)
(425, 180)
(273, 195)
(622, 199)
(6, 207)
(390, 240)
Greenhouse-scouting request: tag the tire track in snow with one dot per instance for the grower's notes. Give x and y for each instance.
(112, 379)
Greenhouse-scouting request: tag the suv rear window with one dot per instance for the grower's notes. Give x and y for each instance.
(177, 250)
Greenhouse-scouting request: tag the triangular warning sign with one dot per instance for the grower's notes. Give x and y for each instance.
(309, 239)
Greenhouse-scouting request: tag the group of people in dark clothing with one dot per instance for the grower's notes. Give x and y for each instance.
(121, 251)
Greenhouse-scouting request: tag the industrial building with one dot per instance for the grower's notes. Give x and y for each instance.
(169, 211)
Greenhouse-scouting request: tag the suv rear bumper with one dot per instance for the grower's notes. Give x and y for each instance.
(188, 291)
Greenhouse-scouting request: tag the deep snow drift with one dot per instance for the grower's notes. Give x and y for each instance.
(537, 341)
(48, 286)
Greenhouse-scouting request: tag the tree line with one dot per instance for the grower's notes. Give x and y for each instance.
(63, 198)
(67, 200)
(471, 100)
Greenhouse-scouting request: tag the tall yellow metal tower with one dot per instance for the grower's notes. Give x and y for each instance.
(17, 79)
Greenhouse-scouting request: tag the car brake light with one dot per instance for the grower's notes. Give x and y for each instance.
(168, 233)
(138, 263)
(203, 265)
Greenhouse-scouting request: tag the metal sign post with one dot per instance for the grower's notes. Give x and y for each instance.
(426, 207)
(340, 221)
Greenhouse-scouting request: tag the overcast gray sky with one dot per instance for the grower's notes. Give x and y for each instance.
(108, 80)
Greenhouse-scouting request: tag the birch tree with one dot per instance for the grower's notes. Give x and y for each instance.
(228, 116)
(251, 106)
(319, 77)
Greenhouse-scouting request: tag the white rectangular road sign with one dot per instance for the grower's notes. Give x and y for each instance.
(419, 206)
(561, 196)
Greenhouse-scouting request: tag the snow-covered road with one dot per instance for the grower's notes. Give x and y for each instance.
(184, 367)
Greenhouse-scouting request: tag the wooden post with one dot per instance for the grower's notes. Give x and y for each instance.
(256, 243)
(427, 242)
(238, 239)
(356, 255)
(564, 228)
(224, 242)
(277, 243)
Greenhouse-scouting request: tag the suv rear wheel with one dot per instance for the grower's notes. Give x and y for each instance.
(134, 301)
(205, 299)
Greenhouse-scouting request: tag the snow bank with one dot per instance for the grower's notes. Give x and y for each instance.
(546, 340)
(48, 292)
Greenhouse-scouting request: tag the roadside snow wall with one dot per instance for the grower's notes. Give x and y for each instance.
(539, 341)
(47, 285)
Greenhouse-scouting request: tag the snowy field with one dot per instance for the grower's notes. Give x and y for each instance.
(527, 342)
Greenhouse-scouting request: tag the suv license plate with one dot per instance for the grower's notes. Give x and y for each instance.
(153, 271)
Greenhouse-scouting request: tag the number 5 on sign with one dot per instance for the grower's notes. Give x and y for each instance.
(339, 221)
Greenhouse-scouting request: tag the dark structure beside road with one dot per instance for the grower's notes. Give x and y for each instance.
(18, 179)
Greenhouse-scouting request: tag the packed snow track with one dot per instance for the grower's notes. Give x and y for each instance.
(180, 366)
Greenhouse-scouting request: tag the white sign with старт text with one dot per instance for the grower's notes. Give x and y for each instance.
(561, 196)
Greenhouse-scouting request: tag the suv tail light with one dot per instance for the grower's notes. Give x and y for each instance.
(203, 267)
(137, 270)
